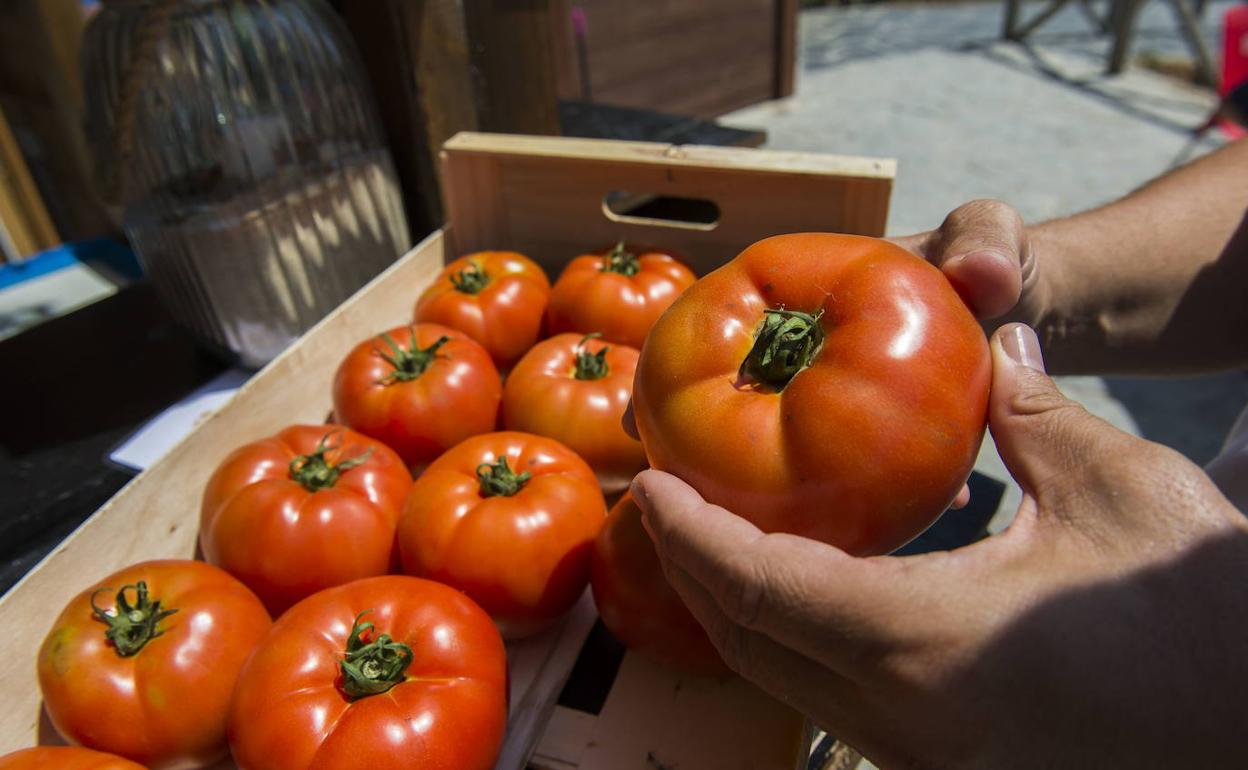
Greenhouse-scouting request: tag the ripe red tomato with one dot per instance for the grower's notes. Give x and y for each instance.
(64, 758)
(384, 672)
(509, 519)
(619, 292)
(832, 386)
(636, 602)
(575, 389)
(313, 507)
(497, 298)
(142, 663)
(420, 390)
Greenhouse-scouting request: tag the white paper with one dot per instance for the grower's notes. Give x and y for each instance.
(149, 443)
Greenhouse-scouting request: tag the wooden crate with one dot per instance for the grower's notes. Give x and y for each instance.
(543, 196)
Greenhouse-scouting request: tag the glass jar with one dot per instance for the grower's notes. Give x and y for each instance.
(240, 141)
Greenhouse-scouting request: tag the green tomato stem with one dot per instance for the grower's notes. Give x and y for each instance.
(131, 626)
(621, 261)
(470, 280)
(591, 366)
(498, 480)
(370, 668)
(785, 344)
(315, 472)
(410, 362)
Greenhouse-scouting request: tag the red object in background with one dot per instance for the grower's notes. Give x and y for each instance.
(1234, 60)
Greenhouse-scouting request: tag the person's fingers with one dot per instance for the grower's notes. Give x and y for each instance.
(789, 588)
(963, 498)
(806, 684)
(629, 422)
(1045, 439)
(982, 248)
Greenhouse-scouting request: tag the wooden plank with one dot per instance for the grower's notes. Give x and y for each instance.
(786, 47)
(26, 222)
(511, 44)
(416, 56)
(683, 56)
(549, 199)
(655, 718)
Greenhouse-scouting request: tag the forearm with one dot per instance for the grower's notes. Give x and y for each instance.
(1154, 283)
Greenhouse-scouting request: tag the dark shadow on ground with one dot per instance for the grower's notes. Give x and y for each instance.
(1191, 414)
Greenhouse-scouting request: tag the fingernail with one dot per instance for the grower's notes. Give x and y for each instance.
(638, 491)
(1022, 346)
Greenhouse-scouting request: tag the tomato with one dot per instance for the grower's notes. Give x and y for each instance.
(636, 602)
(575, 389)
(509, 519)
(384, 672)
(831, 386)
(313, 507)
(619, 292)
(64, 758)
(497, 298)
(420, 390)
(142, 663)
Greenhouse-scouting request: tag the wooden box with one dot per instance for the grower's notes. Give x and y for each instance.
(547, 197)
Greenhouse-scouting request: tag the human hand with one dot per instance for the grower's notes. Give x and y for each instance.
(1104, 628)
(983, 249)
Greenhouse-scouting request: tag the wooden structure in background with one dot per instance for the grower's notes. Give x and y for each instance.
(41, 97)
(688, 57)
(25, 227)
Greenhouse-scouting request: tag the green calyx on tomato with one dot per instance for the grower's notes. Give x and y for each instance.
(498, 480)
(590, 366)
(131, 626)
(786, 343)
(411, 362)
(315, 472)
(621, 261)
(470, 280)
(372, 667)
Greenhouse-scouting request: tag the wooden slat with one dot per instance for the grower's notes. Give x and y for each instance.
(545, 195)
(512, 48)
(26, 221)
(786, 47)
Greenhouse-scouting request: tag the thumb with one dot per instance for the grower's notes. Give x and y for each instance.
(1043, 437)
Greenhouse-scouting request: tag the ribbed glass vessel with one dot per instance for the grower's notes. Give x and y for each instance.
(240, 139)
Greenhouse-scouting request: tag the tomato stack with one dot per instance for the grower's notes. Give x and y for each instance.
(829, 386)
(503, 398)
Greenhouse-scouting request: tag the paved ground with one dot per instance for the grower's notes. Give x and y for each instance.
(1039, 125)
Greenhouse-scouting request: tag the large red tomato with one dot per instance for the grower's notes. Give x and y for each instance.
(313, 507)
(509, 519)
(498, 298)
(142, 663)
(619, 292)
(64, 758)
(383, 672)
(420, 390)
(636, 602)
(575, 389)
(831, 386)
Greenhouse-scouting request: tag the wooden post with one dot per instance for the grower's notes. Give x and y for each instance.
(513, 54)
(416, 56)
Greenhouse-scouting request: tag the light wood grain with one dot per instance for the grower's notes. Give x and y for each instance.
(544, 196)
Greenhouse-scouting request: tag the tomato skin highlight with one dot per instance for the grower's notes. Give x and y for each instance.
(448, 711)
(543, 395)
(455, 396)
(622, 307)
(865, 447)
(165, 705)
(637, 604)
(524, 557)
(506, 315)
(286, 541)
